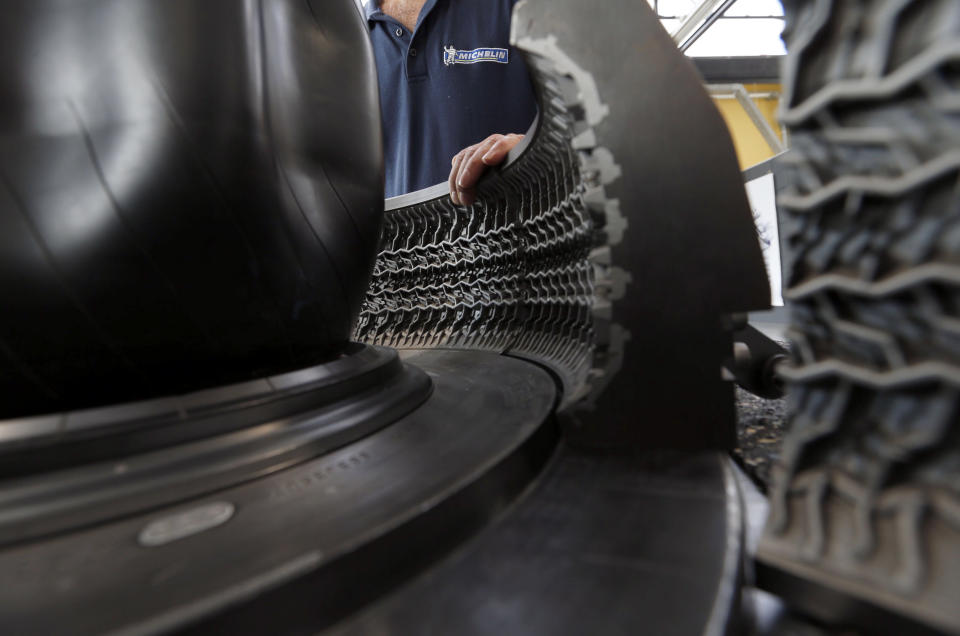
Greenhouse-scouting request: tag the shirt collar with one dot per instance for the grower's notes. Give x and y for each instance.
(372, 9)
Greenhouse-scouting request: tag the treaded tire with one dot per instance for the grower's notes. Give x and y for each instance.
(866, 497)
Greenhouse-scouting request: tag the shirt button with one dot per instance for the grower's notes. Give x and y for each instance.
(413, 52)
(399, 32)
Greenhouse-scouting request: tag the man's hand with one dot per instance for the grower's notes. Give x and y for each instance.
(468, 165)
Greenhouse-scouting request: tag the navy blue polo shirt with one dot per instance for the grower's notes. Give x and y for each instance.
(451, 83)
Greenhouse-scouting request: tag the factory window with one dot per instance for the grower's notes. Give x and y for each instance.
(747, 27)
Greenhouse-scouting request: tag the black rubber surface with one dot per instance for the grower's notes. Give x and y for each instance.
(38, 444)
(601, 545)
(207, 448)
(190, 194)
(299, 549)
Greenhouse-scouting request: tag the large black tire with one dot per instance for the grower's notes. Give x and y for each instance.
(866, 499)
(586, 251)
(190, 194)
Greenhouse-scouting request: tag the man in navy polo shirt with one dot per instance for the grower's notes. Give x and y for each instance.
(449, 84)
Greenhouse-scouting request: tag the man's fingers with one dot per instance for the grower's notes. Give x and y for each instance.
(462, 152)
(462, 186)
(498, 152)
(455, 164)
(472, 167)
(468, 165)
(454, 173)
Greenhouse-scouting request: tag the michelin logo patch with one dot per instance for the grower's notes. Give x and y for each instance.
(453, 56)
